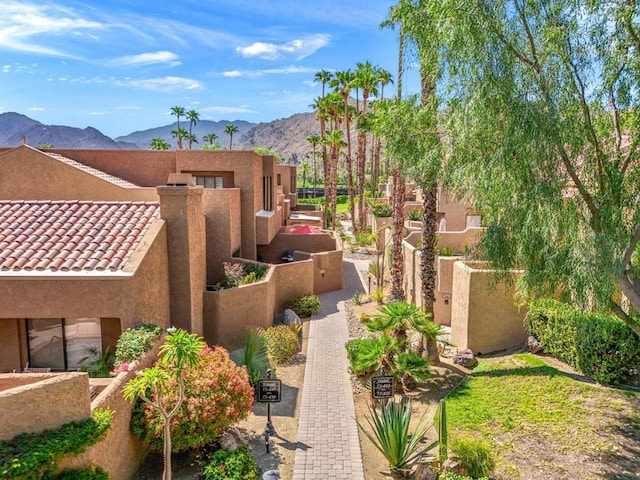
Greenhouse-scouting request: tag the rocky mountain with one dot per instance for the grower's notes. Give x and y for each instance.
(286, 136)
(15, 128)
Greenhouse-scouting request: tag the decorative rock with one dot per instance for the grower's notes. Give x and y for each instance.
(231, 439)
(425, 472)
(465, 358)
(452, 465)
(291, 318)
(532, 345)
(271, 475)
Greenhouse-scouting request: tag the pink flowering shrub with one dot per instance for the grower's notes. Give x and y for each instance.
(119, 368)
(217, 395)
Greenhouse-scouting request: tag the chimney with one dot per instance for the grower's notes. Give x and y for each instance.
(181, 209)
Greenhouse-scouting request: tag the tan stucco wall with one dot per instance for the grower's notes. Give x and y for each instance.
(181, 208)
(457, 240)
(28, 174)
(11, 353)
(327, 272)
(484, 316)
(56, 399)
(290, 241)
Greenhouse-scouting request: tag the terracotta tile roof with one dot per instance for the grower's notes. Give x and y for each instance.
(71, 235)
(93, 171)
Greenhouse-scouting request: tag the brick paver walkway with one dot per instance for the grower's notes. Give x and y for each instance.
(328, 445)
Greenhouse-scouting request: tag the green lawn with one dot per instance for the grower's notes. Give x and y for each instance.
(508, 402)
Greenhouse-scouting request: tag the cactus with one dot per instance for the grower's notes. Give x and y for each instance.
(442, 431)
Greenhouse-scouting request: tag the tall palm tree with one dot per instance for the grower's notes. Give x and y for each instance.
(210, 138)
(304, 169)
(384, 77)
(314, 140)
(366, 80)
(334, 139)
(178, 112)
(159, 144)
(193, 117)
(230, 130)
(192, 137)
(179, 134)
(320, 106)
(323, 76)
(343, 82)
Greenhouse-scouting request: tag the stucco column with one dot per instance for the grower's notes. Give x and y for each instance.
(181, 208)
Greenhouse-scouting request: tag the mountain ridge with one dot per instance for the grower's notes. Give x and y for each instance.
(286, 136)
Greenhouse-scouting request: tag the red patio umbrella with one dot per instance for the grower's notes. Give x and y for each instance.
(305, 229)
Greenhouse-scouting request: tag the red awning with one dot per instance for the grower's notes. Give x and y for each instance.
(305, 229)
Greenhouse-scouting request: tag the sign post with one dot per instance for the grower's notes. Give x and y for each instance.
(269, 391)
(382, 387)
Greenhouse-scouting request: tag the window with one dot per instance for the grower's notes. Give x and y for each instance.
(209, 181)
(63, 343)
(267, 187)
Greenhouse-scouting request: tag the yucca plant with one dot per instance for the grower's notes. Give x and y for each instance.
(254, 355)
(389, 433)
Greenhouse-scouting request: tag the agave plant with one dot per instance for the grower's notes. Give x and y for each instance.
(389, 433)
(254, 355)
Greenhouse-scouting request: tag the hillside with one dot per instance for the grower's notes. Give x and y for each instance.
(287, 136)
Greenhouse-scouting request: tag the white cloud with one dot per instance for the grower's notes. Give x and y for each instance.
(227, 110)
(292, 69)
(232, 73)
(299, 48)
(21, 25)
(163, 84)
(147, 59)
(35, 109)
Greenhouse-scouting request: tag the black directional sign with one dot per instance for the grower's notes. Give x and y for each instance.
(382, 387)
(269, 390)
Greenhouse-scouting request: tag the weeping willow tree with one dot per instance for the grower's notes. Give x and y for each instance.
(542, 98)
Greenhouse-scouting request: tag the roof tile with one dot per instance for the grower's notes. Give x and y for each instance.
(71, 235)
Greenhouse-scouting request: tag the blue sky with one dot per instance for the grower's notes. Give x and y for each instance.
(120, 65)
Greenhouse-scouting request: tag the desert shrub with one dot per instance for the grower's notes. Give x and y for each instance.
(600, 346)
(415, 215)
(362, 360)
(304, 305)
(237, 274)
(32, 456)
(282, 343)
(474, 454)
(217, 395)
(446, 475)
(357, 298)
(446, 252)
(136, 341)
(227, 464)
(364, 317)
(382, 209)
(253, 355)
(97, 473)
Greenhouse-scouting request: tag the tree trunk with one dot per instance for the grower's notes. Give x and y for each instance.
(427, 261)
(166, 474)
(397, 258)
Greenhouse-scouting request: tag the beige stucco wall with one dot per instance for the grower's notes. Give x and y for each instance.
(457, 240)
(11, 347)
(484, 316)
(56, 399)
(28, 174)
(285, 241)
(327, 272)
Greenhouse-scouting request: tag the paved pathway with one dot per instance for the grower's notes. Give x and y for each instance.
(328, 445)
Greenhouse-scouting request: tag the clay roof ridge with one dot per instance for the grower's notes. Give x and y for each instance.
(93, 171)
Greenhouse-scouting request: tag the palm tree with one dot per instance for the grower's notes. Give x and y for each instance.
(366, 80)
(210, 137)
(230, 130)
(335, 142)
(384, 77)
(304, 168)
(193, 117)
(192, 139)
(178, 112)
(323, 76)
(314, 140)
(342, 82)
(179, 133)
(159, 144)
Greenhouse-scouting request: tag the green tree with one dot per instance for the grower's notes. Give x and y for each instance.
(159, 144)
(193, 117)
(192, 139)
(151, 385)
(543, 104)
(178, 112)
(324, 77)
(44, 146)
(210, 138)
(304, 169)
(230, 130)
(179, 134)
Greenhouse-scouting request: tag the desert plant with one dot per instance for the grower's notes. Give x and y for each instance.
(136, 341)
(389, 433)
(282, 343)
(254, 355)
(374, 268)
(357, 298)
(446, 252)
(443, 434)
(381, 209)
(378, 295)
(100, 363)
(231, 464)
(305, 305)
(415, 214)
(97, 473)
(364, 317)
(157, 386)
(474, 455)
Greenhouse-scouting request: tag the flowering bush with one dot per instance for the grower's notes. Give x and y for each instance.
(217, 395)
(136, 341)
(237, 274)
(282, 343)
(119, 368)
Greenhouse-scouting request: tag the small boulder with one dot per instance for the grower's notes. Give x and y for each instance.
(271, 475)
(231, 439)
(291, 318)
(465, 358)
(532, 345)
(425, 472)
(452, 465)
